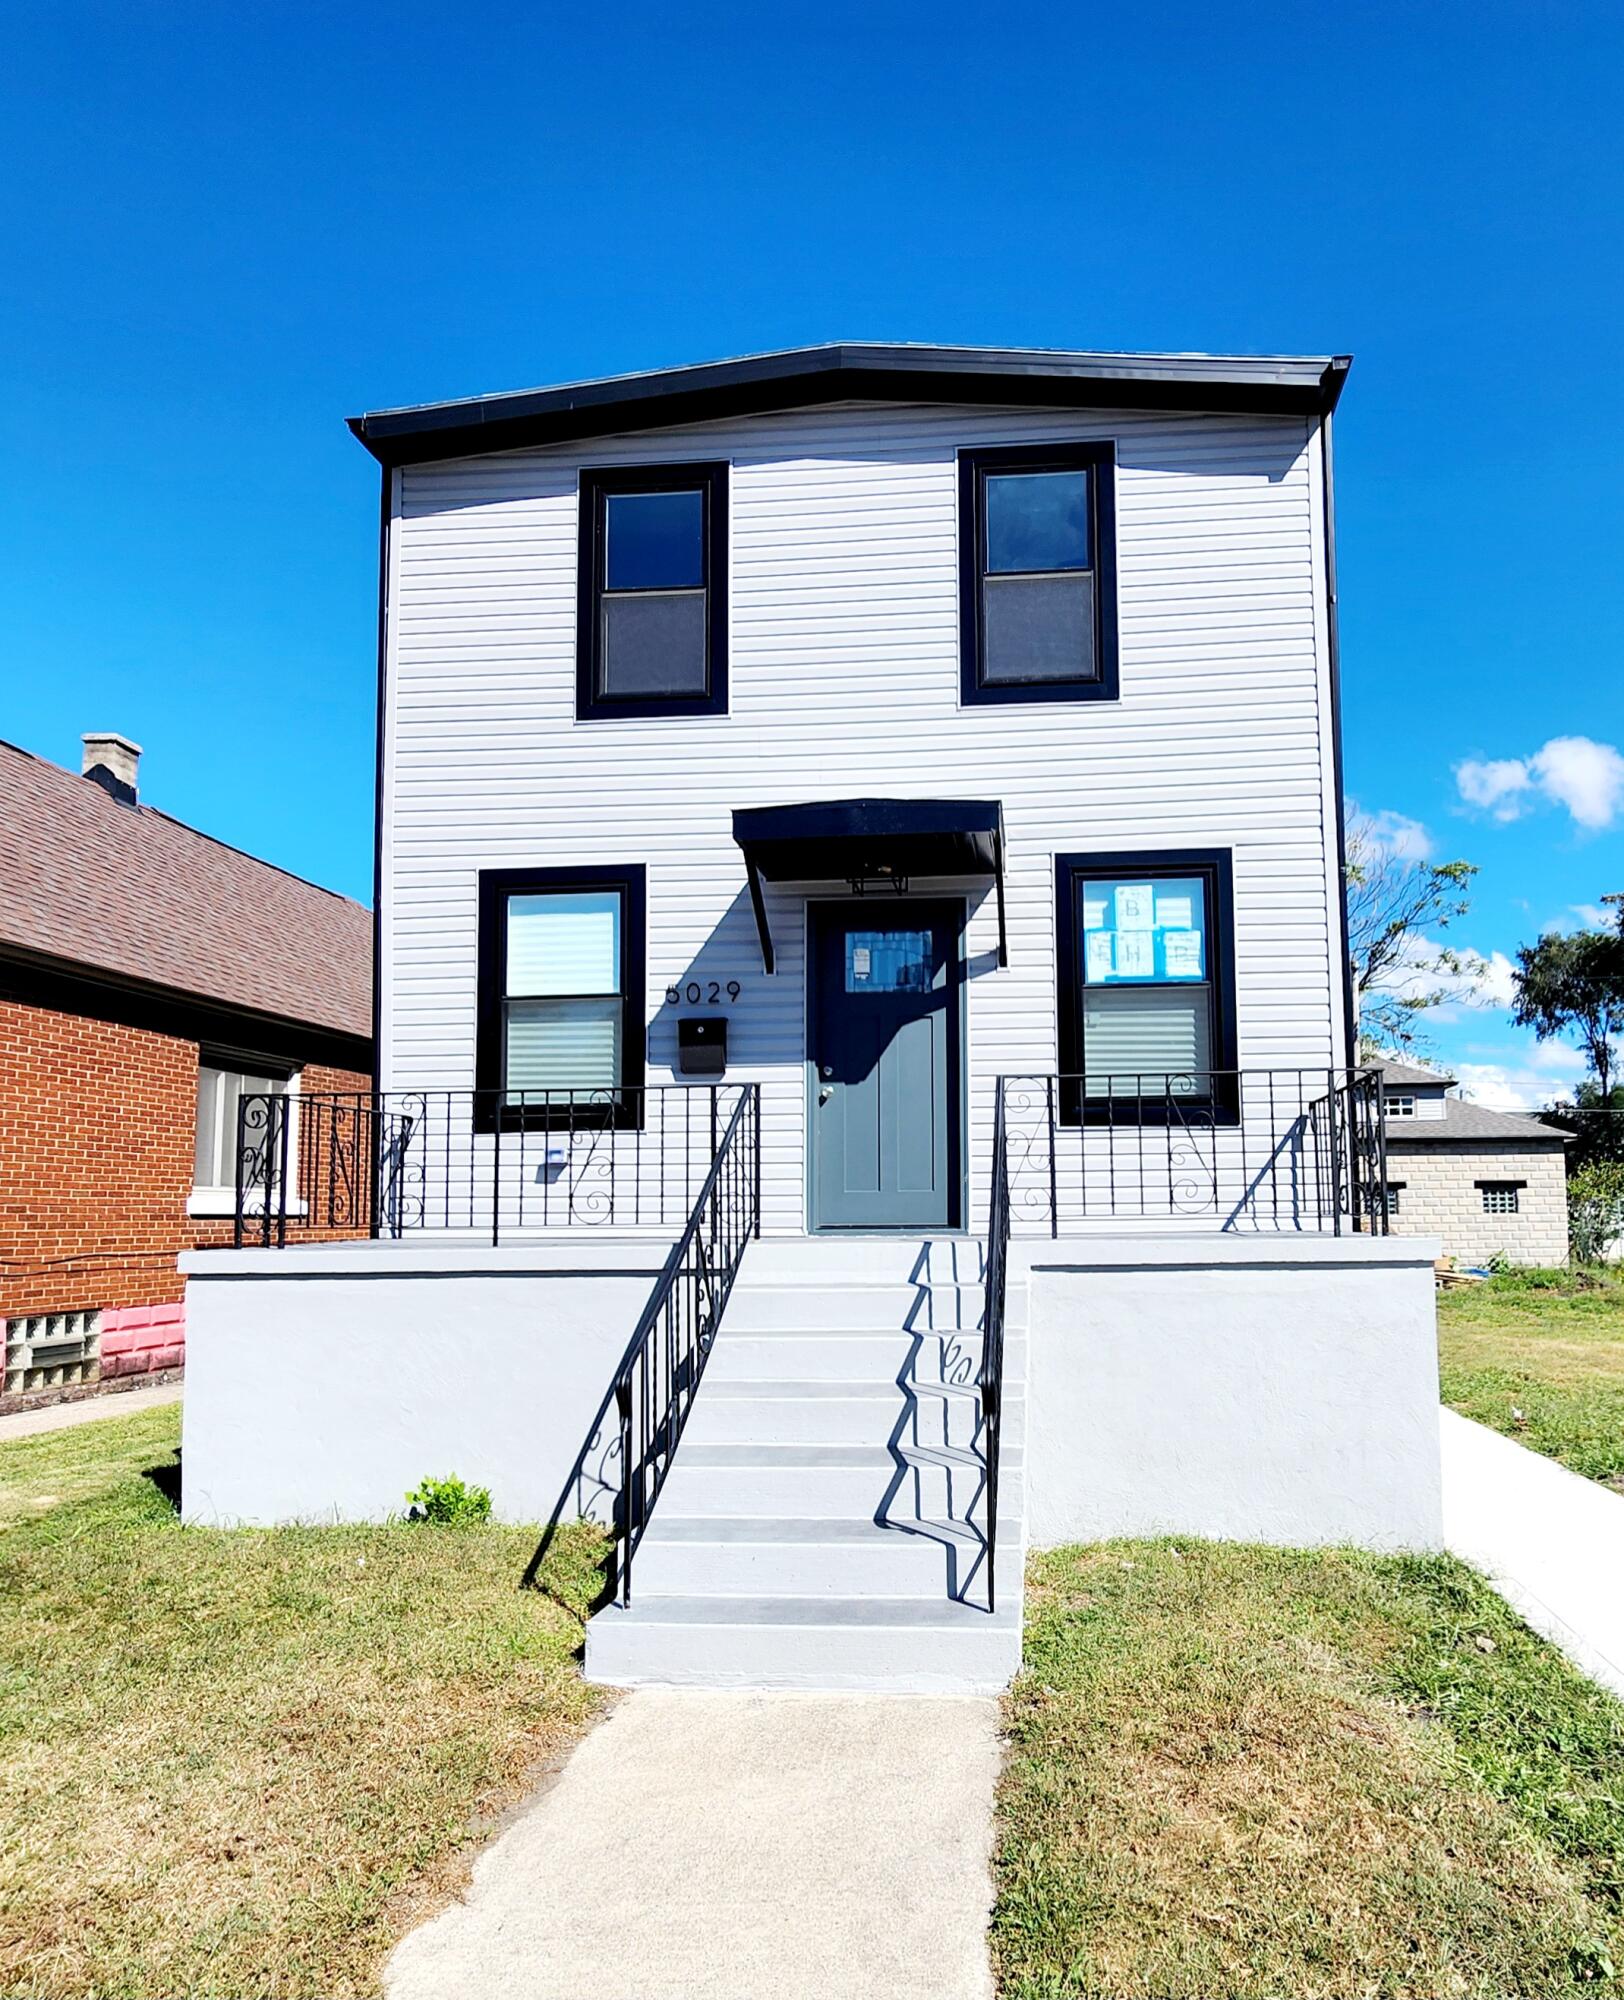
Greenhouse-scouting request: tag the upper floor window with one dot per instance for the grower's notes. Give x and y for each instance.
(559, 1036)
(1399, 1103)
(1037, 573)
(651, 631)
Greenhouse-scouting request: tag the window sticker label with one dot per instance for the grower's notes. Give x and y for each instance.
(1173, 913)
(1097, 954)
(1093, 909)
(888, 961)
(1135, 907)
(1181, 954)
(1135, 955)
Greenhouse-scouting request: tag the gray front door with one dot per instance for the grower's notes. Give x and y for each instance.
(884, 1047)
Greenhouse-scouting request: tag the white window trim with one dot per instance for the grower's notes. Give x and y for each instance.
(215, 1202)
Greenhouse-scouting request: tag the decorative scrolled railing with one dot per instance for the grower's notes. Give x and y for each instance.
(313, 1166)
(657, 1382)
(1261, 1150)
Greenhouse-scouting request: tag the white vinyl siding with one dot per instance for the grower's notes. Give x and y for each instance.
(844, 670)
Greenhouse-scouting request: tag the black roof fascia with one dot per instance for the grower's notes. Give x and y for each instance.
(1280, 385)
(862, 837)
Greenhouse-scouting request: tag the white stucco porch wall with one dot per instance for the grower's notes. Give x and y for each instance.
(1254, 1389)
(323, 1383)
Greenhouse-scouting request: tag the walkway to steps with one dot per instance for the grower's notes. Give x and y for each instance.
(824, 1523)
(705, 1846)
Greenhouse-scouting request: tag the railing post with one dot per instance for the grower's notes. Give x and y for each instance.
(755, 1148)
(284, 1114)
(1054, 1180)
(496, 1166)
(1336, 1153)
(242, 1134)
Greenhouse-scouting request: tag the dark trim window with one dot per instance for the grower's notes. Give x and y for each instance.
(1037, 573)
(559, 1029)
(1501, 1197)
(1146, 985)
(651, 599)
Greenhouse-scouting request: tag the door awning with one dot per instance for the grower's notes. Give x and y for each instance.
(871, 843)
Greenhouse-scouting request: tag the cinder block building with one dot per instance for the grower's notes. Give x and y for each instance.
(150, 976)
(1489, 1183)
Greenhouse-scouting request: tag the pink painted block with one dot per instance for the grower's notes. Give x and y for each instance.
(167, 1357)
(114, 1344)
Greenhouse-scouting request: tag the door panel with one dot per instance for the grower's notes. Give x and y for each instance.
(884, 1044)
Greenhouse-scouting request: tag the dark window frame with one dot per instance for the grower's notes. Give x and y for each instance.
(625, 1111)
(597, 484)
(1096, 457)
(1214, 867)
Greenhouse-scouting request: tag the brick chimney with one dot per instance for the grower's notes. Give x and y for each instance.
(112, 761)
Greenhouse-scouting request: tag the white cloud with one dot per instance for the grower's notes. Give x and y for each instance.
(1392, 833)
(1502, 1087)
(1543, 1074)
(1499, 786)
(1484, 979)
(1584, 777)
(1592, 916)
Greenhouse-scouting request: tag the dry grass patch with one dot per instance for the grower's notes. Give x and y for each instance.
(243, 1763)
(1539, 1355)
(1248, 1772)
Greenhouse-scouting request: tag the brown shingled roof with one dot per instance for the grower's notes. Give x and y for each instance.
(128, 891)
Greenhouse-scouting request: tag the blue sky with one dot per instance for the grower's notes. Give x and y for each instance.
(227, 229)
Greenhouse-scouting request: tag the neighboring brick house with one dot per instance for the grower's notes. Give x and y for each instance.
(1488, 1182)
(148, 975)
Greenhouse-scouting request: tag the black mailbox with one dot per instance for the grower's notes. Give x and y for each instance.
(702, 1045)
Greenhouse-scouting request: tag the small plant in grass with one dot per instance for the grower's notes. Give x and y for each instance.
(449, 1503)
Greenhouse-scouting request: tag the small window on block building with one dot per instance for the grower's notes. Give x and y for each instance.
(1500, 1197)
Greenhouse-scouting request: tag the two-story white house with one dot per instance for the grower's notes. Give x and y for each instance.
(859, 920)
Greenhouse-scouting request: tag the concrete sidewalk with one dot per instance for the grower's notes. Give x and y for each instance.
(62, 1416)
(708, 1846)
(1550, 1542)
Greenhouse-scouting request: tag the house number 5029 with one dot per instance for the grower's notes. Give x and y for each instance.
(708, 990)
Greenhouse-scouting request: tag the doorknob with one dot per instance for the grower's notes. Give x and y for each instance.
(825, 1094)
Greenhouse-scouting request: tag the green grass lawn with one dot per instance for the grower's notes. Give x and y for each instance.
(1540, 1356)
(1243, 1771)
(243, 1763)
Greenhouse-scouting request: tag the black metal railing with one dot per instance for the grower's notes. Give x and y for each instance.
(657, 1382)
(392, 1163)
(1243, 1149)
(991, 1378)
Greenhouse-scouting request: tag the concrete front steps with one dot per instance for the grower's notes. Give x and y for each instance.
(824, 1523)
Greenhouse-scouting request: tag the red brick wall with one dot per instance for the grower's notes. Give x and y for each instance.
(97, 1141)
(96, 1145)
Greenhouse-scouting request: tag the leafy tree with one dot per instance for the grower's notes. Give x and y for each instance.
(1597, 1125)
(1596, 1210)
(1394, 899)
(1572, 983)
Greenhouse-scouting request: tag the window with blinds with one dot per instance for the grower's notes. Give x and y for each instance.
(220, 1093)
(1146, 999)
(564, 992)
(559, 1032)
